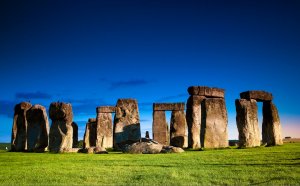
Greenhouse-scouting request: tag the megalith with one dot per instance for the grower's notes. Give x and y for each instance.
(247, 118)
(178, 129)
(271, 127)
(61, 130)
(160, 128)
(19, 129)
(75, 135)
(89, 138)
(193, 119)
(177, 136)
(214, 132)
(206, 117)
(104, 137)
(126, 123)
(247, 122)
(37, 129)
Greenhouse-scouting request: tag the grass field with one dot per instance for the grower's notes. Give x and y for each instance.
(264, 165)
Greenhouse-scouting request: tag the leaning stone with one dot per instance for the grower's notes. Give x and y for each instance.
(168, 106)
(89, 138)
(75, 135)
(104, 137)
(160, 128)
(126, 123)
(193, 119)
(19, 129)
(258, 95)
(214, 132)
(106, 109)
(271, 127)
(178, 129)
(61, 131)
(206, 91)
(38, 129)
(247, 123)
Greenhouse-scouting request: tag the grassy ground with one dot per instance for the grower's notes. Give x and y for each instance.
(264, 165)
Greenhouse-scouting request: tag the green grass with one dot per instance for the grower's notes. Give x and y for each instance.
(278, 165)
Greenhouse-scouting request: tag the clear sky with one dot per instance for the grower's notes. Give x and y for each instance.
(90, 53)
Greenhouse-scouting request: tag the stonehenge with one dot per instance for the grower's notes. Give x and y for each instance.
(61, 131)
(37, 129)
(206, 116)
(126, 123)
(104, 134)
(19, 129)
(90, 135)
(204, 125)
(178, 127)
(30, 129)
(247, 120)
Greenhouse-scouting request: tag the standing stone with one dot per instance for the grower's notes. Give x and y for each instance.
(89, 139)
(147, 135)
(38, 129)
(75, 135)
(61, 131)
(104, 135)
(19, 129)
(214, 123)
(178, 129)
(247, 123)
(126, 123)
(160, 127)
(271, 127)
(193, 119)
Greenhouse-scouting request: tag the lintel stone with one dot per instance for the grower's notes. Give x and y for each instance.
(206, 91)
(106, 109)
(258, 95)
(168, 106)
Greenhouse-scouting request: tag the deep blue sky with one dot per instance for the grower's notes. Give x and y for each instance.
(91, 53)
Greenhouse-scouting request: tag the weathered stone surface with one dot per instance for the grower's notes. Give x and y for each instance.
(100, 150)
(247, 123)
(171, 149)
(258, 95)
(106, 109)
(75, 134)
(92, 120)
(144, 148)
(206, 91)
(104, 137)
(19, 129)
(214, 132)
(61, 131)
(72, 150)
(37, 129)
(178, 129)
(168, 106)
(193, 118)
(160, 128)
(94, 150)
(89, 138)
(271, 127)
(126, 123)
